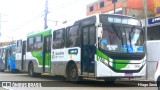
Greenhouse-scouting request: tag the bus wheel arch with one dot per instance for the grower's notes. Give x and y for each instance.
(72, 71)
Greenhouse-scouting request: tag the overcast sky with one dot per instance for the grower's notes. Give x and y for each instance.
(24, 16)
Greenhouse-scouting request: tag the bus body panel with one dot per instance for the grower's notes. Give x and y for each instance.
(18, 60)
(152, 57)
(35, 61)
(104, 67)
(61, 57)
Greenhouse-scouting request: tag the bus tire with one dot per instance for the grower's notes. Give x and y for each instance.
(31, 70)
(9, 69)
(73, 73)
(158, 83)
(1, 70)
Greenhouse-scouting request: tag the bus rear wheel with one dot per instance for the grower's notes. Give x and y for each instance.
(1, 70)
(73, 73)
(31, 70)
(158, 83)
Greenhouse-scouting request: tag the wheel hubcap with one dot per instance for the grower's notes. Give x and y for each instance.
(73, 73)
(30, 71)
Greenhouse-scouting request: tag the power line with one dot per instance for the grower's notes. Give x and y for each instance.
(1, 22)
(64, 6)
(39, 15)
(69, 3)
(24, 24)
(46, 13)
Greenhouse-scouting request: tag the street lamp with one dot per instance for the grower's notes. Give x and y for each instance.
(114, 3)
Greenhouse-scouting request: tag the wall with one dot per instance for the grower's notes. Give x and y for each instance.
(157, 7)
(4, 44)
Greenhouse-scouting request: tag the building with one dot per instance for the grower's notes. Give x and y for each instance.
(154, 23)
(4, 44)
(126, 7)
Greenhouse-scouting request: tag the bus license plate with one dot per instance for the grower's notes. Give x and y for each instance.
(128, 74)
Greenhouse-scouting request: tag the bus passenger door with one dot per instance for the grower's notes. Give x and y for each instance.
(47, 54)
(23, 54)
(88, 51)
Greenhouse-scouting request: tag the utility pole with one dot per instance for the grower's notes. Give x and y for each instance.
(146, 20)
(124, 6)
(0, 25)
(46, 13)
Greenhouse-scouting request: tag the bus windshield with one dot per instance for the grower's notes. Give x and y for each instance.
(122, 39)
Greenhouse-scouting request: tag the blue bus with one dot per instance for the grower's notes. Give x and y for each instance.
(7, 58)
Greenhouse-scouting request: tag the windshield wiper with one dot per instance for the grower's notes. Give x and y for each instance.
(130, 35)
(120, 37)
(115, 31)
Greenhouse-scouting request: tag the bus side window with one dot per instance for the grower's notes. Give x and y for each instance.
(72, 36)
(38, 43)
(58, 39)
(30, 44)
(19, 46)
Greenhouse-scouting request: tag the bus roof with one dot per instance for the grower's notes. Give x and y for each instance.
(62, 26)
(45, 32)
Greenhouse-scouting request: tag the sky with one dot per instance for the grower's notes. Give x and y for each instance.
(19, 17)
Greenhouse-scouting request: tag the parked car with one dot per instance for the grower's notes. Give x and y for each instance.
(157, 75)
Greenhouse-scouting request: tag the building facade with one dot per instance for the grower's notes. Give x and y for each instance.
(154, 23)
(127, 7)
(4, 44)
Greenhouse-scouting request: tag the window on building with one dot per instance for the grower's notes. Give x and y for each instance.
(158, 10)
(91, 8)
(73, 36)
(102, 4)
(58, 39)
(38, 42)
(30, 44)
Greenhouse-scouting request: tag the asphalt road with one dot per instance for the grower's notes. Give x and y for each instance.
(21, 81)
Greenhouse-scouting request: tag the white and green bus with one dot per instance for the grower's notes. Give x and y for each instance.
(102, 46)
(33, 54)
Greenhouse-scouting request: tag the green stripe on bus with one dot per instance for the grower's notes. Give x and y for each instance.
(118, 64)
